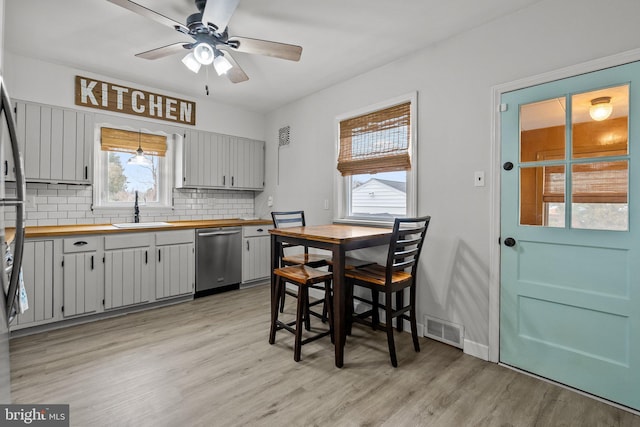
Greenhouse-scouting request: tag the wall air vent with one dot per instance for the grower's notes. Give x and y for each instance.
(441, 330)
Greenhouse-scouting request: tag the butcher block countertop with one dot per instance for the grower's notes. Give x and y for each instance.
(68, 230)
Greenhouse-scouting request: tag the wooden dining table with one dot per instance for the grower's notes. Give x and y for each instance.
(339, 239)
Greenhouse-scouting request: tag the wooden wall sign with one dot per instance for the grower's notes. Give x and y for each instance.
(109, 96)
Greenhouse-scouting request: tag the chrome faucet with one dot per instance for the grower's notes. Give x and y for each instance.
(136, 210)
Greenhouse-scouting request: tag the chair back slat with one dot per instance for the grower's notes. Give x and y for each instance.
(288, 219)
(406, 244)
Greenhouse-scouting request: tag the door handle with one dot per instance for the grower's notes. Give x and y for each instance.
(507, 166)
(510, 241)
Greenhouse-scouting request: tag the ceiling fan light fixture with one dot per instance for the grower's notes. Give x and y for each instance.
(221, 64)
(601, 108)
(203, 53)
(191, 62)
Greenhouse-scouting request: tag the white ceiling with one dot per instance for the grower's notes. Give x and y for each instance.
(340, 39)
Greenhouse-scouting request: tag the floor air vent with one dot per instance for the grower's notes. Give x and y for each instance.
(444, 331)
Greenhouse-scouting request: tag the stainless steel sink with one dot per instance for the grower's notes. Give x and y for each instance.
(142, 224)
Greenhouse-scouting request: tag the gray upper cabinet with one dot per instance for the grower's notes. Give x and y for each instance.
(211, 160)
(57, 143)
(246, 161)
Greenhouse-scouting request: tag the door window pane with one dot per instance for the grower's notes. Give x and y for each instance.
(600, 122)
(600, 195)
(542, 130)
(542, 191)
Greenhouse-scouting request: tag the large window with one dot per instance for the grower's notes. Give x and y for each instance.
(376, 151)
(130, 162)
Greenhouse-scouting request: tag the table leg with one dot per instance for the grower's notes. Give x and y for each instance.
(275, 263)
(339, 304)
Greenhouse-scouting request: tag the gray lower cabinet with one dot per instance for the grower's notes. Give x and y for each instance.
(81, 273)
(90, 274)
(128, 271)
(256, 253)
(175, 263)
(37, 271)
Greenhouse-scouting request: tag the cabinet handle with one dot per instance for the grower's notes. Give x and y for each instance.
(224, 180)
(80, 243)
(86, 172)
(259, 230)
(159, 258)
(6, 167)
(247, 245)
(92, 262)
(232, 181)
(146, 257)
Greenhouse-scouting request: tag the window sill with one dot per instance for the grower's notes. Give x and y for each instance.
(365, 222)
(128, 209)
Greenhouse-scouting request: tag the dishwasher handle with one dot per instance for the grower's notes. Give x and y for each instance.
(218, 233)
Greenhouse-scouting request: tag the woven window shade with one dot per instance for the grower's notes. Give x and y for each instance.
(601, 182)
(376, 142)
(127, 141)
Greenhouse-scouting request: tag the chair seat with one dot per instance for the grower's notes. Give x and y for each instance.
(314, 260)
(376, 274)
(303, 274)
(350, 263)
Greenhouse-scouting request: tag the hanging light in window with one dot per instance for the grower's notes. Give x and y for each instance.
(601, 108)
(139, 158)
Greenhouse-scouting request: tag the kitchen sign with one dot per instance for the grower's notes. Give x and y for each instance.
(121, 99)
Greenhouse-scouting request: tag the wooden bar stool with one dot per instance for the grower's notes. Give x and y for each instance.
(303, 277)
(391, 280)
(296, 219)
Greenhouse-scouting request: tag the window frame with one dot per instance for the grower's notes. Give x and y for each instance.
(342, 184)
(165, 165)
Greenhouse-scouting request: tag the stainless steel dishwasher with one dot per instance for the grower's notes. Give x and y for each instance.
(218, 259)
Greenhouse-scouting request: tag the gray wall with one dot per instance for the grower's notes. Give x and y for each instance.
(454, 80)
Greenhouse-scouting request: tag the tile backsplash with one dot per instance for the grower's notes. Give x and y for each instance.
(63, 204)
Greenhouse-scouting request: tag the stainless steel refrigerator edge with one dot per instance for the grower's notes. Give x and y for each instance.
(218, 258)
(9, 277)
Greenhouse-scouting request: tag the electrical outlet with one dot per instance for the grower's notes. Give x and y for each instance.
(270, 201)
(30, 202)
(478, 179)
(326, 204)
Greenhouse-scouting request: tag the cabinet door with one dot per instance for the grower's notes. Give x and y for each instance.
(8, 166)
(37, 271)
(247, 163)
(80, 283)
(256, 258)
(175, 268)
(127, 277)
(57, 143)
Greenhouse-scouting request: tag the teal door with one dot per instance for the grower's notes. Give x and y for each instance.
(570, 232)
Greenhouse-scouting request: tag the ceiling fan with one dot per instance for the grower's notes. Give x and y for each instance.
(212, 44)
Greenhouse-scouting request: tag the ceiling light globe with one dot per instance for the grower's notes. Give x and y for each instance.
(222, 64)
(203, 53)
(191, 62)
(601, 108)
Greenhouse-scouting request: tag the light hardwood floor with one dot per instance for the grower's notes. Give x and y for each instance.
(208, 363)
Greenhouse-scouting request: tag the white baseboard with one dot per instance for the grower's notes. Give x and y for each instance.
(475, 349)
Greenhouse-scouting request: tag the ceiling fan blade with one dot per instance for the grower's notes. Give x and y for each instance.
(163, 51)
(235, 74)
(265, 47)
(218, 13)
(148, 13)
